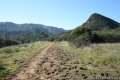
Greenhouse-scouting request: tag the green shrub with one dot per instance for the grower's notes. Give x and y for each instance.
(8, 50)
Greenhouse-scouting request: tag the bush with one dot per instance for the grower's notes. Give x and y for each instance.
(3, 71)
(81, 41)
(8, 50)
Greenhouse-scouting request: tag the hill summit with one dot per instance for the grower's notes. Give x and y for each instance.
(97, 22)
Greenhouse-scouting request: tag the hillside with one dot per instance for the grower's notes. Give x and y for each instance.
(23, 33)
(97, 29)
(97, 22)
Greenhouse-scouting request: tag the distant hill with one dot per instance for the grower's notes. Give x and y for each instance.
(97, 21)
(97, 29)
(23, 33)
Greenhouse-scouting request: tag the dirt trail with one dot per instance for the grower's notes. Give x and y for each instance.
(53, 63)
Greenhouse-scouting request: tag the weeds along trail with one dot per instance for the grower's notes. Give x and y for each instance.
(53, 63)
(29, 68)
(57, 63)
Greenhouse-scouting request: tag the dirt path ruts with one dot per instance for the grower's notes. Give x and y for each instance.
(29, 69)
(53, 63)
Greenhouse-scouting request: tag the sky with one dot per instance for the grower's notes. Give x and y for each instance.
(66, 14)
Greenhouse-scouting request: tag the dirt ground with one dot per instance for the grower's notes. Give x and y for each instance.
(53, 63)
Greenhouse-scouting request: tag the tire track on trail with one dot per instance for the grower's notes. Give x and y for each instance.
(53, 63)
(30, 67)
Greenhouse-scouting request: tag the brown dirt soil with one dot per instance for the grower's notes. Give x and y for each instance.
(53, 63)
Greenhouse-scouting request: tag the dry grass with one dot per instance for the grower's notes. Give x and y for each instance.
(98, 59)
(11, 58)
(63, 61)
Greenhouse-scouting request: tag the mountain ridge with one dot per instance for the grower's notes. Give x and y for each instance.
(24, 26)
(27, 32)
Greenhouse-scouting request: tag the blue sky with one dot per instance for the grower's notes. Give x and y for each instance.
(66, 14)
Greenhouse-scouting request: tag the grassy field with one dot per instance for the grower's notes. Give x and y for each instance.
(94, 60)
(12, 58)
(97, 59)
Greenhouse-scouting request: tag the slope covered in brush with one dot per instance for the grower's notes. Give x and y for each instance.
(96, 22)
(97, 29)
